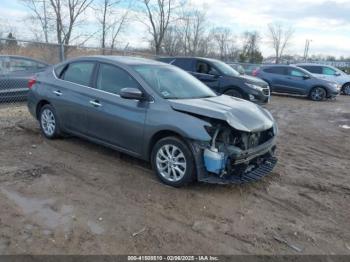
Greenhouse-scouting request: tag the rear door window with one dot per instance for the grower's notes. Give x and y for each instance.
(185, 64)
(296, 73)
(328, 71)
(3, 65)
(19, 64)
(313, 69)
(112, 79)
(278, 70)
(79, 73)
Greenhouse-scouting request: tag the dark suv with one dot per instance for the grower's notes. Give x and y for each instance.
(295, 80)
(222, 78)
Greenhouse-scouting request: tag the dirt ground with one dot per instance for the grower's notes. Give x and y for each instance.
(71, 196)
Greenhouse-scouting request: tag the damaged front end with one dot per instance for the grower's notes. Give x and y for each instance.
(235, 156)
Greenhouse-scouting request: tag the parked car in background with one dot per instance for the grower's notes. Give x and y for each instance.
(15, 71)
(249, 69)
(159, 113)
(295, 80)
(222, 78)
(329, 73)
(237, 67)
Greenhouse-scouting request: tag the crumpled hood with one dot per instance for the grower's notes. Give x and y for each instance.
(240, 114)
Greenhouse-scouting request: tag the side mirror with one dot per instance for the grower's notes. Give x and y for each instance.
(131, 93)
(337, 74)
(305, 77)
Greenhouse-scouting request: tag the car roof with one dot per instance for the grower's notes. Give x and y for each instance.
(25, 58)
(312, 64)
(189, 57)
(127, 60)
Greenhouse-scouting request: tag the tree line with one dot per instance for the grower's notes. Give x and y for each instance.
(174, 27)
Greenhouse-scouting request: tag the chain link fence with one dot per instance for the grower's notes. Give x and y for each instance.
(20, 60)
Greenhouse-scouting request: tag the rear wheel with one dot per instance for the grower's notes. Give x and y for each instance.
(318, 94)
(234, 93)
(346, 89)
(49, 122)
(173, 162)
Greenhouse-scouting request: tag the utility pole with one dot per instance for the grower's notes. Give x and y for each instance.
(307, 48)
(45, 23)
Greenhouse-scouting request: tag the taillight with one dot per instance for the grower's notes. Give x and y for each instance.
(31, 82)
(255, 72)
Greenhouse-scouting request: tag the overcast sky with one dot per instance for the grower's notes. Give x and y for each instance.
(326, 22)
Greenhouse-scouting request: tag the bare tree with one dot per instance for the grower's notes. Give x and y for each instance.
(194, 30)
(66, 14)
(279, 38)
(250, 50)
(173, 41)
(223, 39)
(159, 14)
(111, 21)
(40, 13)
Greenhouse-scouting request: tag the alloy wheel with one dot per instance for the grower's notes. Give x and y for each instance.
(318, 94)
(346, 90)
(171, 163)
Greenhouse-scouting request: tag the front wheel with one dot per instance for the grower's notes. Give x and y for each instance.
(173, 162)
(318, 94)
(234, 93)
(346, 90)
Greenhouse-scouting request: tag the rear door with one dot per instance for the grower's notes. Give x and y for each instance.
(71, 95)
(276, 76)
(113, 119)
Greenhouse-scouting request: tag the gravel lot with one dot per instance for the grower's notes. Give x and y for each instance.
(71, 196)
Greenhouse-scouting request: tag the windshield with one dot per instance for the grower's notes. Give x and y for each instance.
(225, 68)
(171, 82)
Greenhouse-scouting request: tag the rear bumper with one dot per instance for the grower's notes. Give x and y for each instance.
(32, 102)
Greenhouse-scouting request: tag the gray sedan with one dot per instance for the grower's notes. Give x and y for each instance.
(14, 74)
(156, 112)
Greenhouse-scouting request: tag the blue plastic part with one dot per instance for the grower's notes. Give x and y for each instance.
(214, 162)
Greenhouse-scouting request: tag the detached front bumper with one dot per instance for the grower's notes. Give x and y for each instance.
(247, 166)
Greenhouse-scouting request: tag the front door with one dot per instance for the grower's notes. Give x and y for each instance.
(208, 75)
(297, 82)
(112, 119)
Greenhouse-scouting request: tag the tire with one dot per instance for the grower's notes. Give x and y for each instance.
(173, 162)
(49, 123)
(346, 89)
(234, 93)
(318, 94)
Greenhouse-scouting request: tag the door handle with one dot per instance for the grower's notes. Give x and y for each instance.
(57, 93)
(95, 103)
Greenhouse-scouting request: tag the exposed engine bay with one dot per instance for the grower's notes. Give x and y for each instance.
(234, 154)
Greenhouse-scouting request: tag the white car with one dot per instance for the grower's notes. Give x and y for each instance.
(329, 73)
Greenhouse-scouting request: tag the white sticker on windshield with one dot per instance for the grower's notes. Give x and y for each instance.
(165, 93)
